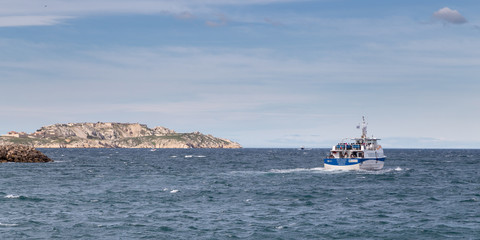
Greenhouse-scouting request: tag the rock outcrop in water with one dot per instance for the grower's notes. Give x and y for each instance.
(113, 135)
(19, 153)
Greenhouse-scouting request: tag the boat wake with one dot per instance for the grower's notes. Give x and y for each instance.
(294, 170)
(286, 171)
(320, 170)
(384, 171)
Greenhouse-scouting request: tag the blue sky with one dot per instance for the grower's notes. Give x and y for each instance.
(265, 73)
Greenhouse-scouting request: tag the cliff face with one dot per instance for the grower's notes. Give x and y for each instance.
(113, 135)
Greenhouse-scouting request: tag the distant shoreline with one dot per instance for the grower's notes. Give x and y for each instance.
(113, 135)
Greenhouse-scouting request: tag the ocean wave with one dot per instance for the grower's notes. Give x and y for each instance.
(196, 156)
(12, 196)
(21, 197)
(8, 225)
(171, 191)
(397, 169)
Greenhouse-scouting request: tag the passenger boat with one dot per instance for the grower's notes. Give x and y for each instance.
(362, 154)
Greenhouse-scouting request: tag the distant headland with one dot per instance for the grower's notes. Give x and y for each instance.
(113, 135)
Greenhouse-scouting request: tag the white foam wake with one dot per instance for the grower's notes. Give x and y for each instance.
(314, 170)
(290, 170)
(320, 170)
(385, 170)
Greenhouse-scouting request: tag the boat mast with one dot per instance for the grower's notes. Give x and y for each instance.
(364, 128)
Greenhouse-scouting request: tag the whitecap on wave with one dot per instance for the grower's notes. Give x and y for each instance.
(8, 225)
(171, 191)
(196, 156)
(12, 196)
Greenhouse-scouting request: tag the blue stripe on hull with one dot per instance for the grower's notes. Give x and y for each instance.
(348, 161)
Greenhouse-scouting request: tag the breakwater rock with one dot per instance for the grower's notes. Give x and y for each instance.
(19, 153)
(113, 135)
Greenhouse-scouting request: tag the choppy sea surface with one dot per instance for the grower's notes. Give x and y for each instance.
(239, 194)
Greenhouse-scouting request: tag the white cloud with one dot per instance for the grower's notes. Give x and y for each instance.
(184, 15)
(18, 21)
(60, 7)
(449, 16)
(222, 20)
(35, 13)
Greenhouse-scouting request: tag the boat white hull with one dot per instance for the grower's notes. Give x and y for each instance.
(347, 164)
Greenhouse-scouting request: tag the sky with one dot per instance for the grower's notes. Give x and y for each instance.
(263, 73)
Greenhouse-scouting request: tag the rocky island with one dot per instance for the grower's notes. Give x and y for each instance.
(113, 135)
(19, 153)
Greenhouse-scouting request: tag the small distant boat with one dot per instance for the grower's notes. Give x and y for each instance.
(302, 148)
(362, 154)
(153, 149)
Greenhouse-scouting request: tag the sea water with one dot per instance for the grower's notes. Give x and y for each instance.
(239, 194)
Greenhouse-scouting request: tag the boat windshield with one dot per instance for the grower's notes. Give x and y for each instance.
(348, 146)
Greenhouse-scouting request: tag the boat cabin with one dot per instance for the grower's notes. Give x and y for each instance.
(355, 149)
